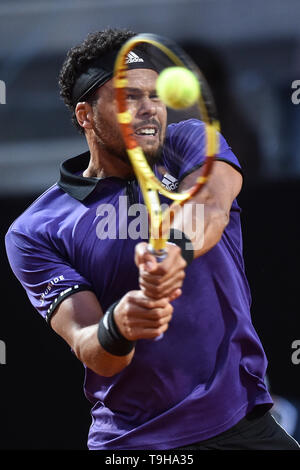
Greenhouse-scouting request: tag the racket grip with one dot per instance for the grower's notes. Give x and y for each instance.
(160, 255)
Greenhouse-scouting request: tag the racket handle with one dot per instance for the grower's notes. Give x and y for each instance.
(160, 255)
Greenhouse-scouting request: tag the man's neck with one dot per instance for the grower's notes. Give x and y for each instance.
(102, 165)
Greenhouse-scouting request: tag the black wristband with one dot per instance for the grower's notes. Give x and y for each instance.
(110, 337)
(180, 239)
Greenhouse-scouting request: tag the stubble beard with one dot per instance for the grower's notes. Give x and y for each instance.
(119, 150)
(154, 157)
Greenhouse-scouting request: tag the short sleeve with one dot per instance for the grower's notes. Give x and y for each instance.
(185, 149)
(45, 276)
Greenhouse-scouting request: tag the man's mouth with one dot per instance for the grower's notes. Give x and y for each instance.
(148, 131)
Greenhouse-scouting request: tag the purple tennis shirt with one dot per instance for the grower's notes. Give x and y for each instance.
(208, 370)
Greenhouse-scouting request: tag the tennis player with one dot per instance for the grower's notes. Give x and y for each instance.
(201, 385)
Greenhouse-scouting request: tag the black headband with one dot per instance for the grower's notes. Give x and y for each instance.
(101, 70)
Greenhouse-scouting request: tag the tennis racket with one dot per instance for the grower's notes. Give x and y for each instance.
(164, 53)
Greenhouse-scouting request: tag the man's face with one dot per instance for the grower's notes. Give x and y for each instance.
(149, 116)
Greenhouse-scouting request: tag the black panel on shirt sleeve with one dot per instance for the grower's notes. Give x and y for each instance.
(62, 296)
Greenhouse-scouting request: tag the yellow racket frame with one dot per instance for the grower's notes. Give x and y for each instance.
(150, 185)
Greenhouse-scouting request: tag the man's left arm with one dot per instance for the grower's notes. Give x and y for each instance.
(166, 278)
(216, 196)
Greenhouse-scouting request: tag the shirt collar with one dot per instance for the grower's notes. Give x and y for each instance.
(71, 180)
(77, 186)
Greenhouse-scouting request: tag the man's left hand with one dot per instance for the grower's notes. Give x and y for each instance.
(164, 279)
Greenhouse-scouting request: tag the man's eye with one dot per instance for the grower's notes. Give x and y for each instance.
(154, 96)
(132, 96)
(135, 97)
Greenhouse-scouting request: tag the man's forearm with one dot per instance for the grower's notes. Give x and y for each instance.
(205, 217)
(89, 352)
(203, 224)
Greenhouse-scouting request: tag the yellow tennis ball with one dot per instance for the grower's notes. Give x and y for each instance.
(177, 87)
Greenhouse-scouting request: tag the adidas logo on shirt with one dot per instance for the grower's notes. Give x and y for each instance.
(133, 57)
(169, 182)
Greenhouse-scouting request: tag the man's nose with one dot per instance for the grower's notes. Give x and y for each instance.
(147, 107)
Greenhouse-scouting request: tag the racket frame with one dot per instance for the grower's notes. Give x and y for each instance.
(150, 185)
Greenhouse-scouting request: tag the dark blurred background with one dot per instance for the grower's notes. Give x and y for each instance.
(250, 54)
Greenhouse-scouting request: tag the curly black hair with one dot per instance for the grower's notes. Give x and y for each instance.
(79, 58)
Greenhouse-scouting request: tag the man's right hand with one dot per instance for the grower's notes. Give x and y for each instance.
(139, 317)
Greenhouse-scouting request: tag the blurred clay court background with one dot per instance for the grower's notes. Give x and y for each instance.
(250, 54)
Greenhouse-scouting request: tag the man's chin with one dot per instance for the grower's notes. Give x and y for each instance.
(153, 157)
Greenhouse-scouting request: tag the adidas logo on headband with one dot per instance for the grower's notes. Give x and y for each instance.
(133, 57)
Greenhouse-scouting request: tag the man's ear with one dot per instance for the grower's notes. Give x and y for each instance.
(84, 115)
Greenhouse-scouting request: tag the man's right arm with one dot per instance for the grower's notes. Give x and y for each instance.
(76, 316)
(76, 320)
(140, 314)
